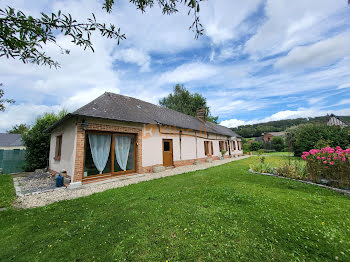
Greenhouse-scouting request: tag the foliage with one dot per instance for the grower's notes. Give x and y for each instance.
(223, 152)
(37, 141)
(277, 143)
(294, 169)
(19, 129)
(218, 214)
(3, 101)
(23, 36)
(261, 167)
(332, 164)
(255, 146)
(305, 137)
(183, 101)
(256, 130)
(7, 191)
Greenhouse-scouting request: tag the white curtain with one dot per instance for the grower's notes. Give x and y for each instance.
(100, 146)
(122, 147)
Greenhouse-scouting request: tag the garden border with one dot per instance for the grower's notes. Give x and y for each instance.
(341, 191)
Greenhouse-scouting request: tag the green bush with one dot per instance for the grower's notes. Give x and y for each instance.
(261, 167)
(37, 141)
(295, 169)
(278, 143)
(306, 137)
(255, 146)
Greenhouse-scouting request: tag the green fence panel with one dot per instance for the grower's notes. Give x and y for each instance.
(12, 161)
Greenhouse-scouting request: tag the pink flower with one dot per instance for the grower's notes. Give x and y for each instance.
(344, 159)
(323, 157)
(318, 157)
(324, 162)
(331, 163)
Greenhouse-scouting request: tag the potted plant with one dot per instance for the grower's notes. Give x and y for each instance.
(223, 152)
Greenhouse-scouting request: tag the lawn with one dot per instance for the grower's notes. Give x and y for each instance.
(274, 153)
(223, 213)
(7, 191)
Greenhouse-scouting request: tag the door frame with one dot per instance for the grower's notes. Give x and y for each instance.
(172, 150)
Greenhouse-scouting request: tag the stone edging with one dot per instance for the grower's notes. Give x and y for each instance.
(20, 194)
(341, 191)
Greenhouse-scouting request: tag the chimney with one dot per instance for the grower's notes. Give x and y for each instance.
(201, 113)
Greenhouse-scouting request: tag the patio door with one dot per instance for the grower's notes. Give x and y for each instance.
(167, 152)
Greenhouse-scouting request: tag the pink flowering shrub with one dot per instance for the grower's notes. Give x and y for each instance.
(329, 163)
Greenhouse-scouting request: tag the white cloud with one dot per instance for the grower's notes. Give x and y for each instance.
(221, 19)
(233, 123)
(343, 86)
(316, 55)
(188, 72)
(131, 55)
(287, 114)
(291, 24)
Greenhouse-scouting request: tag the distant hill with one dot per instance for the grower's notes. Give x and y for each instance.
(281, 125)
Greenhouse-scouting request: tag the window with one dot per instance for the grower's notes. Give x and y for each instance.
(109, 153)
(221, 145)
(58, 147)
(208, 148)
(166, 146)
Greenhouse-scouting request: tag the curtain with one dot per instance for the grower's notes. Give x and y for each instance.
(121, 148)
(100, 146)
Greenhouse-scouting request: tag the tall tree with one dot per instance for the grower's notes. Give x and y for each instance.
(183, 101)
(37, 141)
(3, 100)
(19, 129)
(22, 36)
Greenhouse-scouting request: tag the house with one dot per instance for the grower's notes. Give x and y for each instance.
(12, 153)
(337, 121)
(117, 135)
(268, 136)
(11, 142)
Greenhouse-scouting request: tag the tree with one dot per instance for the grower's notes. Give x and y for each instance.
(183, 101)
(3, 101)
(23, 36)
(255, 146)
(277, 143)
(19, 129)
(37, 141)
(306, 137)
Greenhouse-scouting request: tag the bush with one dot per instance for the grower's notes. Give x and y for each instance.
(255, 146)
(278, 143)
(329, 163)
(295, 169)
(305, 137)
(261, 167)
(37, 142)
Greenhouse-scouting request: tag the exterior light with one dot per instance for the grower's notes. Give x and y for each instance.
(84, 125)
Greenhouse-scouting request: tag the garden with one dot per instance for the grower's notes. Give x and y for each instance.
(223, 213)
(319, 158)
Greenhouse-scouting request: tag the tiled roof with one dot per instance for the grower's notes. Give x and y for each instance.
(123, 108)
(7, 140)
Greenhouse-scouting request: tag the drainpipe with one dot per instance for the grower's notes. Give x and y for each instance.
(180, 133)
(195, 135)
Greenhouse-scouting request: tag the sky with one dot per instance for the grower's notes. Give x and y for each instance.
(257, 60)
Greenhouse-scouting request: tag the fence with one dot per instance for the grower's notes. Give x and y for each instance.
(12, 161)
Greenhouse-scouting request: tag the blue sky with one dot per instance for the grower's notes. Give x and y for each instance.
(257, 60)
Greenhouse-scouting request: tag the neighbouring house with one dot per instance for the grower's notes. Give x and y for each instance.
(337, 121)
(268, 136)
(116, 135)
(12, 153)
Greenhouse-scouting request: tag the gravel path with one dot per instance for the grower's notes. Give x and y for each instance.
(45, 198)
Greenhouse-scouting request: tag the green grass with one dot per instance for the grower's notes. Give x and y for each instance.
(274, 153)
(7, 191)
(223, 213)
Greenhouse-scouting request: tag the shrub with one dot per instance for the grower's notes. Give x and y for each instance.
(277, 143)
(306, 137)
(329, 163)
(295, 169)
(255, 146)
(261, 167)
(37, 141)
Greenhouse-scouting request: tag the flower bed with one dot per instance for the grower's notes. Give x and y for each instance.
(329, 165)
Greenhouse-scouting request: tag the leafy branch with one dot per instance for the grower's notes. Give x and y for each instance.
(23, 36)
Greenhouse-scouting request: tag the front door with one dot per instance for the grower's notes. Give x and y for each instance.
(167, 152)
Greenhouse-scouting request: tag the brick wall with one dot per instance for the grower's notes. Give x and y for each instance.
(108, 126)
